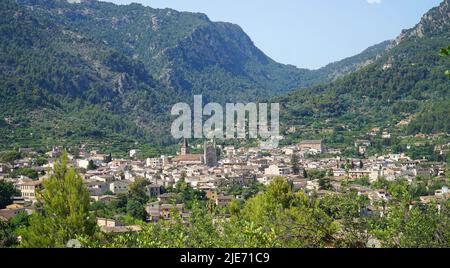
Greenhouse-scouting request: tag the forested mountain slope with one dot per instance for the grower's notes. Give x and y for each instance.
(89, 71)
(185, 51)
(406, 82)
(58, 85)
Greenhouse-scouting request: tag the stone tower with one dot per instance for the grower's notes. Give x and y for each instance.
(185, 147)
(210, 153)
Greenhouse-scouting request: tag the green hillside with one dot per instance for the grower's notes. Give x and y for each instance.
(59, 87)
(185, 51)
(406, 82)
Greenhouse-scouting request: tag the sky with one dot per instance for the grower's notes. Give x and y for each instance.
(308, 33)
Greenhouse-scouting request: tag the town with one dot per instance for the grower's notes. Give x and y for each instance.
(222, 174)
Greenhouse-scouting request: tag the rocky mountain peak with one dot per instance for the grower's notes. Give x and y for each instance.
(434, 22)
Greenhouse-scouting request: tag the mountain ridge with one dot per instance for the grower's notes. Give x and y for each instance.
(351, 64)
(404, 90)
(95, 71)
(179, 47)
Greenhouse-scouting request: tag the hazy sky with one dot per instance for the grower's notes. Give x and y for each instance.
(309, 33)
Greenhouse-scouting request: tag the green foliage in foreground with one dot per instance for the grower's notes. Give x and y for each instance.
(280, 217)
(9, 230)
(65, 204)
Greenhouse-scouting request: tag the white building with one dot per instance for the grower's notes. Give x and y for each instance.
(82, 163)
(156, 162)
(229, 150)
(277, 170)
(133, 153)
(28, 188)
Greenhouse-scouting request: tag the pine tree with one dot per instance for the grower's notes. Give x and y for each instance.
(65, 214)
(294, 162)
(7, 191)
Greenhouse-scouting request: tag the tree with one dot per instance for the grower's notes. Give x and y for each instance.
(10, 157)
(20, 220)
(418, 226)
(315, 174)
(422, 226)
(108, 192)
(295, 164)
(186, 193)
(91, 165)
(363, 181)
(138, 191)
(445, 52)
(325, 183)
(7, 191)
(28, 172)
(136, 210)
(7, 236)
(305, 174)
(346, 209)
(65, 204)
(9, 229)
(381, 183)
(137, 199)
(295, 219)
(41, 160)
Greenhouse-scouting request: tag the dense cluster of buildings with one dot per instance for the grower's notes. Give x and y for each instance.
(241, 166)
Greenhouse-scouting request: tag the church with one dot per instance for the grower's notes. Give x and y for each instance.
(209, 156)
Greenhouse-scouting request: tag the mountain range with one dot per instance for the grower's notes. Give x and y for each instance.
(90, 71)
